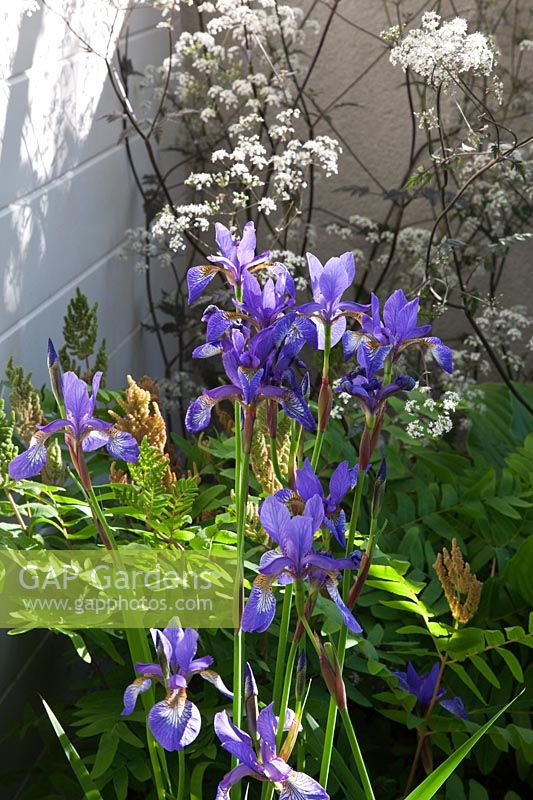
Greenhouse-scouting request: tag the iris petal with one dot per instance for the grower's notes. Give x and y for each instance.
(230, 779)
(440, 352)
(121, 444)
(198, 414)
(261, 606)
(455, 706)
(347, 616)
(30, 462)
(300, 786)
(213, 677)
(306, 482)
(295, 406)
(235, 741)
(198, 279)
(175, 722)
(132, 692)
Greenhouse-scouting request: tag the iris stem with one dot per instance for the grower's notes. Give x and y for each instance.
(354, 744)
(358, 756)
(282, 647)
(317, 449)
(289, 669)
(242, 463)
(295, 441)
(181, 775)
(323, 399)
(299, 595)
(286, 670)
(341, 644)
(275, 461)
(422, 730)
(140, 652)
(16, 511)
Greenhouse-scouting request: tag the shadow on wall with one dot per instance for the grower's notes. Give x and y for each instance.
(67, 194)
(49, 103)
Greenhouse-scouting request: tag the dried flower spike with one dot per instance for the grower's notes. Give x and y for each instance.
(460, 585)
(142, 418)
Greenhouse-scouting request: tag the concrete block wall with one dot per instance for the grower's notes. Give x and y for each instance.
(66, 192)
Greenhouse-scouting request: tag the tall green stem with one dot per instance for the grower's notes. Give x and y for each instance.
(358, 756)
(287, 669)
(181, 775)
(275, 461)
(242, 463)
(281, 666)
(238, 452)
(300, 608)
(341, 645)
(324, 399)
(284, 704)
(296, 432)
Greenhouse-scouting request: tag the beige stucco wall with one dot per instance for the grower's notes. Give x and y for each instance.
(378, 127)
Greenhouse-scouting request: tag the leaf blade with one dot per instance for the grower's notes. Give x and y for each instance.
(73, 757)
(438, 777)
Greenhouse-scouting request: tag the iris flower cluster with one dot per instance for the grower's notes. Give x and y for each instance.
(82, 430)
(295, 559)
(258, 753)
(175, 722)
(259, 340)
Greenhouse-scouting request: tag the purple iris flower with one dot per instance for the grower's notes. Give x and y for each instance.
(233, 261)
(263, 764)
(397, 332)
(370, 393)
(328, 284)
(260, 307)
(423, 687)
(253, 369)
(264, 305)
(294, 560)
(175, 722)
(81, 428)
(307, 485)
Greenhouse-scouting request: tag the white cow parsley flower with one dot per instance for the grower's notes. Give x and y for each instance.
(441, 52)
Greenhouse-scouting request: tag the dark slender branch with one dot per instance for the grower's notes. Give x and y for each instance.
(333, 11)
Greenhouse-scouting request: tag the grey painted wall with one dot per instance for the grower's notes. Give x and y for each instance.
(66, 191)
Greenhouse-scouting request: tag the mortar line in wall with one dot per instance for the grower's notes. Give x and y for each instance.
(65, 289)
(18, 77)
(126, 338)
(129, 335)
(28, 198)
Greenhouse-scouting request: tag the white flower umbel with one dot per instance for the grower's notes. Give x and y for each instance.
(427, 417)
(441, 52)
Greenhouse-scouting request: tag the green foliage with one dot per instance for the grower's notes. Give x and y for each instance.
(24, 401)
(80, 333)
(483, 497)
(165, 507)
(90, 792)
(8, 448)
(479, 493)
(430, 786)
